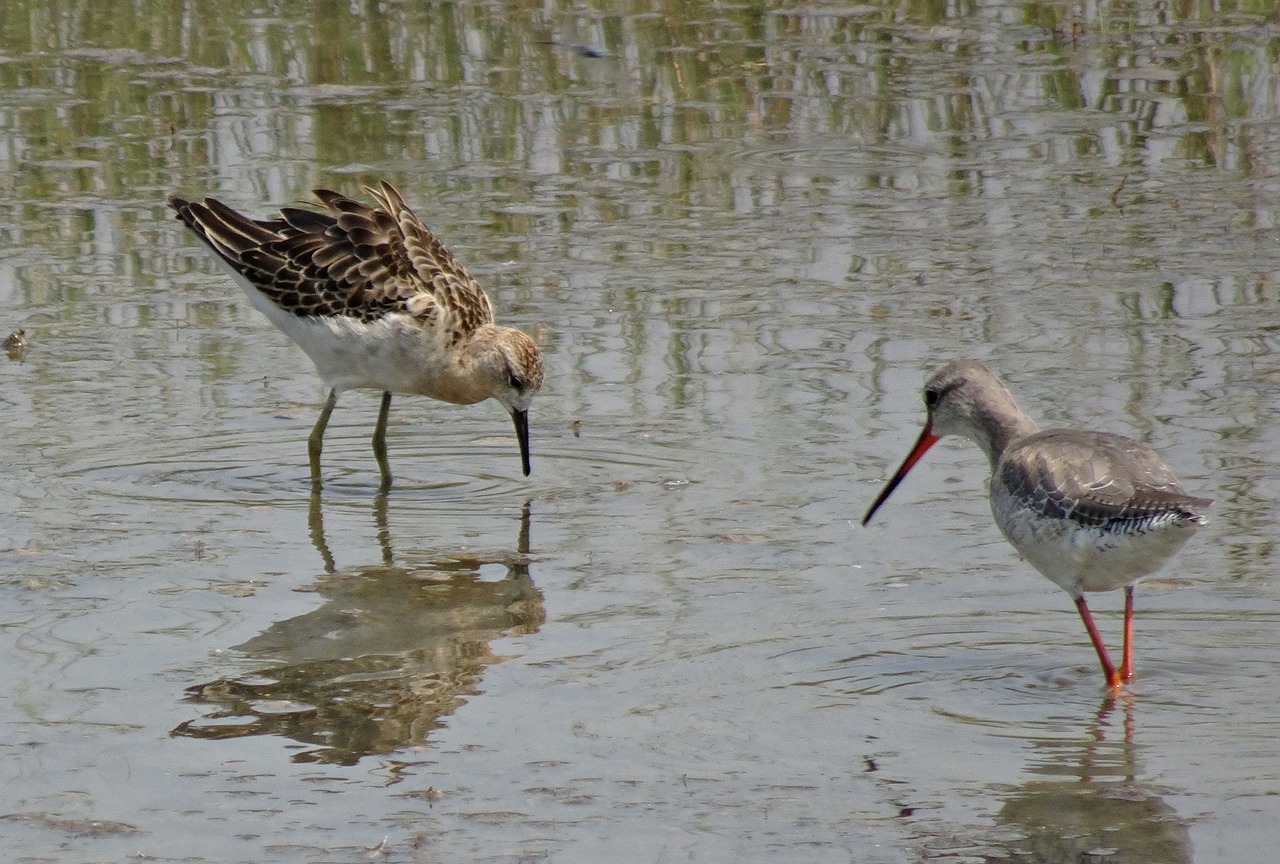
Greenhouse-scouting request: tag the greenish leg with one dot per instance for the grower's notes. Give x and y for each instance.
(380, 443)
(316, 441)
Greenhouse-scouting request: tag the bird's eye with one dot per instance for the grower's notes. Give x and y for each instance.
(513, 382)
(930, 398)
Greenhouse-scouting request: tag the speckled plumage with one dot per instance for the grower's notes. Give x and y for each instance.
(376, 300)
(1092, 511)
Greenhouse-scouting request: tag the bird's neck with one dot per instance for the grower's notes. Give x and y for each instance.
(1000, 425)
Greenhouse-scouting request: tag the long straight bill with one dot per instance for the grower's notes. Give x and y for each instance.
(521, 419)
(926, 440)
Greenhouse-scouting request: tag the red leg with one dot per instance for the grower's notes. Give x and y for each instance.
(1126, 665)
(1108, 668)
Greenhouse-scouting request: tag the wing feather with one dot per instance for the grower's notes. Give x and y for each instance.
(345, 260)
(1095, 479)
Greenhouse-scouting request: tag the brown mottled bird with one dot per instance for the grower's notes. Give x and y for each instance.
(1092, 511)
(376, 301)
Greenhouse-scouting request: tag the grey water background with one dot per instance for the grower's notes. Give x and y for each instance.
(743, 233)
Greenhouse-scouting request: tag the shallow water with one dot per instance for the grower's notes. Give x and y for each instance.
(743, 235)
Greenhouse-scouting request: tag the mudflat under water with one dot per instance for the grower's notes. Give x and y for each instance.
(743, 235)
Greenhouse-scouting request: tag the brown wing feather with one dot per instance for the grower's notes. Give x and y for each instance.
(1095, 478)
(346, 260)
(460, 298)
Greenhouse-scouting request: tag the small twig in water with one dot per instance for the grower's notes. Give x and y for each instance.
(1115, 195)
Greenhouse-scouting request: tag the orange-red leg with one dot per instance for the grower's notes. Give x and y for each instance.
(1108, 668)
(1126, 664)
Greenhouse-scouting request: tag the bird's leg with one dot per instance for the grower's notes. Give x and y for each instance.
(1126, 664)
(1108, 669)
(316, 440)
(380, 442)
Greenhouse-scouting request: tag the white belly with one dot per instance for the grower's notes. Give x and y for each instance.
(392, 354)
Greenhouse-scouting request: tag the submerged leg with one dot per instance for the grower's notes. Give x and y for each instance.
(316, 440)
(380, 442)
(1126, 663)
(1108, 669)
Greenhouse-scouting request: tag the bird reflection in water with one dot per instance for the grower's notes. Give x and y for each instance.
(1090, 806)
(393, 650)
(1086, 805)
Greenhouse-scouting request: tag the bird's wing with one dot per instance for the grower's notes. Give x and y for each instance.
(347, 260)
(1095, 479)
(414, 253)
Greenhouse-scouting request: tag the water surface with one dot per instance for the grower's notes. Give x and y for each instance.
(743, 235)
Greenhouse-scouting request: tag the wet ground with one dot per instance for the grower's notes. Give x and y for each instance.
(743, 235)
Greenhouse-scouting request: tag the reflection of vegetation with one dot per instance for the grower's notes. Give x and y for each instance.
(117, 100)
(375, 668)
(412, 83)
